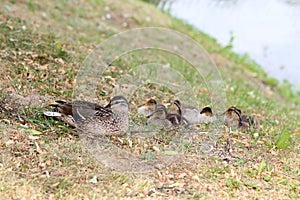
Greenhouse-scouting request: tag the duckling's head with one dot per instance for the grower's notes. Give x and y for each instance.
(159, 113)
(177, 103)
(118, 104)
(206, 111)
(235, 109)
(148, 107)
(177, 108)
(233, 112)
(151, 104)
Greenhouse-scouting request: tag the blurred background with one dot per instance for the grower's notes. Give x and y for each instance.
(268, 31)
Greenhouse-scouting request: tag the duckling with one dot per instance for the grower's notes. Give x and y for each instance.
(93, 118)
(148, 108)
(249, 121)
(190, 113)
(207, 115)
(159, 117)
(194, 116)
(232, 117)
(176, 118)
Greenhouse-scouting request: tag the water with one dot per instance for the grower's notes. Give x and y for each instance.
(269, 30)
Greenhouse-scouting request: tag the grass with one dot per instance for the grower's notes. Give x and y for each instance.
(41, 48)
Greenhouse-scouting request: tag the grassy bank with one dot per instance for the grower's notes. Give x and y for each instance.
(41, 48)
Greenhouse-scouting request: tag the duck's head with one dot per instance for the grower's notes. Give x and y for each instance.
(119, 104)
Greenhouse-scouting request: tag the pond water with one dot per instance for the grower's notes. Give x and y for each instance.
(268, 31)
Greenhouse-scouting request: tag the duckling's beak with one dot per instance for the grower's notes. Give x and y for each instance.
(148, 116)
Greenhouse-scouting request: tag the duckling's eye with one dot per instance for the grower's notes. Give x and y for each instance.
(152, 101)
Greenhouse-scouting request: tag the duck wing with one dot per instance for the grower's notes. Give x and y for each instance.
(80, 110)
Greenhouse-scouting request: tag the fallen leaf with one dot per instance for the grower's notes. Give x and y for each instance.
(32, 137)
(34, 132)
